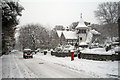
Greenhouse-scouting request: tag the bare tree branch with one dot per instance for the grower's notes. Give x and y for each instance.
(107, 12)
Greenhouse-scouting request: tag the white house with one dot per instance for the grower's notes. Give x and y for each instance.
(81, 34)
(81, 31)
(68, 37)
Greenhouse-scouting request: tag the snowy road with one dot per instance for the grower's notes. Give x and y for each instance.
(14, 66)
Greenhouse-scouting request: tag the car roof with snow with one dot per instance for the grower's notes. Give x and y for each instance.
(27, 49)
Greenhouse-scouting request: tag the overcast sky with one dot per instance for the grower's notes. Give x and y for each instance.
(58, 12)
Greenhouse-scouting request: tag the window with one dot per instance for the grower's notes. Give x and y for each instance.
(82, 31)
(80, 38)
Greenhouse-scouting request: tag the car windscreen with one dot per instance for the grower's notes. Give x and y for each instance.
(27, 51)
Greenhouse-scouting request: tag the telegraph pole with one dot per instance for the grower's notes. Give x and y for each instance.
(119, 21)
(119, 28)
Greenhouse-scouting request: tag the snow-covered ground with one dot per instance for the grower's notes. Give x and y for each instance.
(98, 69)
(100, 51)
(47, 66)
(14, 66)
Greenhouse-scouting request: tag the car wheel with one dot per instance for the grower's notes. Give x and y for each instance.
(25, 57)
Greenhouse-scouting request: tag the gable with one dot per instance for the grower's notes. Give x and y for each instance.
(69, 34)
(59, 33)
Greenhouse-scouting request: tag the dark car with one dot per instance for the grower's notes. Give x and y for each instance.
(27, 53)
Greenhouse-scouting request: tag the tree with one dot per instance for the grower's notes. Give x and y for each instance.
(59, 27)
(33, 36)
(107, 12)
(74, 25)
(54, 40)
(10, 12)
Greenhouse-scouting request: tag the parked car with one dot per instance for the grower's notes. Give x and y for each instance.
(58, 49)
(68, 48)
(37, 50)
(27, 53)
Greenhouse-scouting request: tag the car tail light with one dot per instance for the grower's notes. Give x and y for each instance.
(25, 54)
(31, 54)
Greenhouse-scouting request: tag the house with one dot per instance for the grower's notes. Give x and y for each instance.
(59, 27)
(68, 37)
(59, 32)
(81, 34)
(82, 31)
(92, 37)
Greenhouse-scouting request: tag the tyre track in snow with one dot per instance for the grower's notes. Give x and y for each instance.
(46, 69)
(25, 71)
(15, 68)
(15, 71)
(50, 70)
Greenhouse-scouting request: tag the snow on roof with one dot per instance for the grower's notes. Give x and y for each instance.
(59, 32)
(69, 34)
(83, 43)
(108, 40)
(81, 24)
(27, 49)
(89, 37)
(94, 32)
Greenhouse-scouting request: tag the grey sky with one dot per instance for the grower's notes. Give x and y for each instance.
(58, 12)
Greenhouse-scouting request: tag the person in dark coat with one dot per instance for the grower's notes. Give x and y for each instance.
(76, 45)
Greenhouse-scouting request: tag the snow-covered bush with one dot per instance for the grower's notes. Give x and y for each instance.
(117, 49)
(58, 49)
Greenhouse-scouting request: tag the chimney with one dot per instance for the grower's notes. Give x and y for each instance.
(67, 29)
(63, 29)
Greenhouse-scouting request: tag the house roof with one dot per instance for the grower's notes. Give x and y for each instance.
(90, 35)
(83, 43)
(94, 32)
(59, 32)
(69, 35)
(81, 24)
